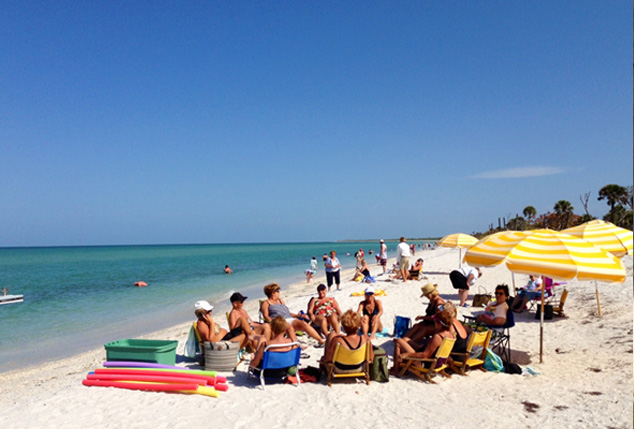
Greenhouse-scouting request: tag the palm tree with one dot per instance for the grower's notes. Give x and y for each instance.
(529, 213)
(615, 195)
(564, 210)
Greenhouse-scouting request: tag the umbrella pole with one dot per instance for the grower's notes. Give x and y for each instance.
(596, 289)
(541, 324)
(460, 257)
(514, 288)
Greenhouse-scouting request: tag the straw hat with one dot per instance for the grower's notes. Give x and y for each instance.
(427, 289)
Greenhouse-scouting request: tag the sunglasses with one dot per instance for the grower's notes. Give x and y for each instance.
(499, 293)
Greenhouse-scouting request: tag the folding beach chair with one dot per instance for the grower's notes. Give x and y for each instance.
(276, 363)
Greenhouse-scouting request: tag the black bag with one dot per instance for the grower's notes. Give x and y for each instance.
(512, 368)
(378, 367)
(548, 311)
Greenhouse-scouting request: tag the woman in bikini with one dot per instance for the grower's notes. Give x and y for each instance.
(351, 322)
(370, 310)
(274, 306)
(404, 349)
(324, 311)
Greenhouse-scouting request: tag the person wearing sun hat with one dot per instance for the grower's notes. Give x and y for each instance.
(239, 318)
(425, 327)
(370, 310)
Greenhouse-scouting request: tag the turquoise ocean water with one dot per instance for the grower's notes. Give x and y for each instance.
(79, 298)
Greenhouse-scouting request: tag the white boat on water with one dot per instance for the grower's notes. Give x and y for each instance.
(10, 299)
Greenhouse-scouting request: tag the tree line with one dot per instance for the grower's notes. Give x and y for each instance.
(618, 198)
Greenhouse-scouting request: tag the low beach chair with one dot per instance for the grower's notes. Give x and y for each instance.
(459, 362)
(357, 360)
(558, 309)
(429, 366)
(276, 363)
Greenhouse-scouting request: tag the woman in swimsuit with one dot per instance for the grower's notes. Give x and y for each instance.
(426, 327)
(403, 348)
(370, 310)
(210, 331)
(351, 322)
(324, 311)
(274, 306)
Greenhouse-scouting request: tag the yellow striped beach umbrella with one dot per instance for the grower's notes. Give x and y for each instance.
(550, 253)
(459, 241)
(605, 235)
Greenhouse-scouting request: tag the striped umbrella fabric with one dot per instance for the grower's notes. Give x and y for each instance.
(605, 235)
(550, 253)
(461, 241)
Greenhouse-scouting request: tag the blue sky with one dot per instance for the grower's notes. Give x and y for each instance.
(204, 122)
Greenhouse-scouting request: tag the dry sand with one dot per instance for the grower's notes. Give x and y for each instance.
(586, 379)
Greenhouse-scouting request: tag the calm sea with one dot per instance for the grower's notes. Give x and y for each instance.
(79, 298)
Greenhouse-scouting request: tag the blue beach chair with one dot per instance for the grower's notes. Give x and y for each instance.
(276, 363)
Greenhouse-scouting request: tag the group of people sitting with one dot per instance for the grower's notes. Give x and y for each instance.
(324, 320)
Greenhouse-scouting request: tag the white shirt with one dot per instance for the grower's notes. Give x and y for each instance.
(383, 254)
(467, 271)
(402, 251)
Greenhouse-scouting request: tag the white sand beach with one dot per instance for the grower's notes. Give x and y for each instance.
(586, 378)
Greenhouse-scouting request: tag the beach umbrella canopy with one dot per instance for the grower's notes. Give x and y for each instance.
(605, 235)
(459, 240)
(550, 253)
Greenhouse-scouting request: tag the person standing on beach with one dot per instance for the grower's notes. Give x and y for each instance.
(402, 255)
(462, 279)
(333, 268)
(312, 270)
(383, 256)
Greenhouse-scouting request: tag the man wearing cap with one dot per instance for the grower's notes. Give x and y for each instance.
(370, 310)
(239, 318)
(402, 255)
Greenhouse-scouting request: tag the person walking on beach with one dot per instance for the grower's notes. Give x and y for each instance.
(333, 268)
(402, 255)
(383, 256)
(312, 270)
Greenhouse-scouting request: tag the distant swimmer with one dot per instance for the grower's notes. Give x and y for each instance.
(228, 270)
(140, 284)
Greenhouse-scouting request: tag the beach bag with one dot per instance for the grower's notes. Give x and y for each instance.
(191, 345)
(378, 367)
(221, 356)
(401, 326)
(548, 311)
(368, 279)
(481, 299)
(493, 362)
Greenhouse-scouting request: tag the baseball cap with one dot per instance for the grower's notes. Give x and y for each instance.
(204, 305)
(237, 296)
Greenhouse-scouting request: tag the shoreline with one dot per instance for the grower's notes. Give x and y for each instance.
(571, 390)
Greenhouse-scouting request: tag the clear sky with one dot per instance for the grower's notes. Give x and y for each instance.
(146, 122)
